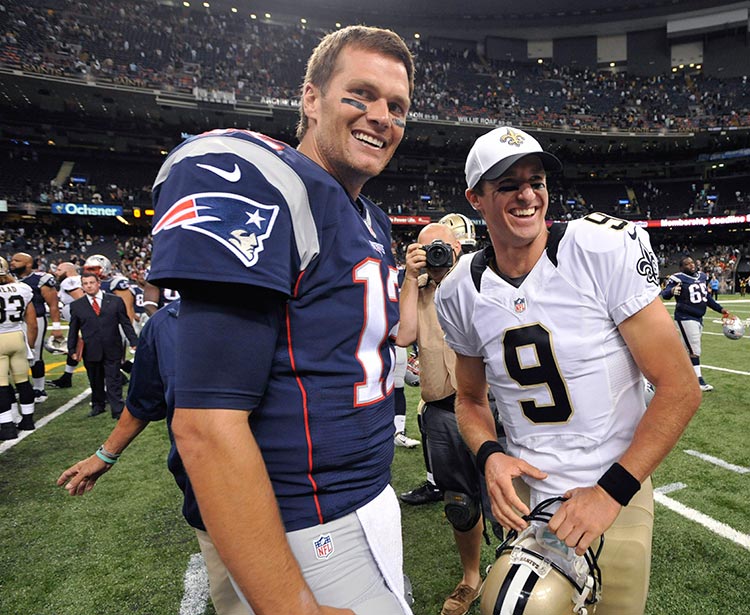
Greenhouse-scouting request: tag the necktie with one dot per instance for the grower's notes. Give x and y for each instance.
(95, 305)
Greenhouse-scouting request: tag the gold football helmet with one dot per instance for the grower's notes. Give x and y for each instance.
(537, 574)
(462, 227)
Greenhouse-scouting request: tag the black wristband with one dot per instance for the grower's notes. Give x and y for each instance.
(488, 448)
(620, 484)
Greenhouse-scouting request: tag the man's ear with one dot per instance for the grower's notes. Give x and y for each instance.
(472, 197)
(311, 100)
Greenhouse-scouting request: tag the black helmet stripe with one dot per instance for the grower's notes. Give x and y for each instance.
(525, 594)
(517, 575)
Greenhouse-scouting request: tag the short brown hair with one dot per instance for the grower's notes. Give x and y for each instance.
(322, 62)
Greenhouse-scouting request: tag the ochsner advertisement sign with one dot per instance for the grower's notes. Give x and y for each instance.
(86, 209)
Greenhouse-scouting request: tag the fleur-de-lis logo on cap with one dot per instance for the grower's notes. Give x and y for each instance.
(511, 137)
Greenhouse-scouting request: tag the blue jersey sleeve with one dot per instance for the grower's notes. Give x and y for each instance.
(146, 393)
(231, 208)
(226, 349)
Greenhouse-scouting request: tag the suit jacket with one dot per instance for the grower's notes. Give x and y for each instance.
(101, 334)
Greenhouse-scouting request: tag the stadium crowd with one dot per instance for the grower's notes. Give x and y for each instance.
(130, 252)
(172, 49)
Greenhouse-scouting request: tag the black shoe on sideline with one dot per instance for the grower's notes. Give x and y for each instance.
(8, 431)
(424, 494)
(96, 411)
(62, 382)
(27, 423)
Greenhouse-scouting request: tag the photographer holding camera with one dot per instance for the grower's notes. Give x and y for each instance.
(437, 250)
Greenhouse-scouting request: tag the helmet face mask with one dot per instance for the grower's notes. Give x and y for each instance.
(55, 345)
(733, 328)
(537, 574)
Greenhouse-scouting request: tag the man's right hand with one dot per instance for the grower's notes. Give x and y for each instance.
(677, 290)
(416, 260)
(500, 470)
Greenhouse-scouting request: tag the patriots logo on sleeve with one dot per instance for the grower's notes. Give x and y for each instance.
(238, 223)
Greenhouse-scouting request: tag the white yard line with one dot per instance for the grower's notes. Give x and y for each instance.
(8, 444)
(717, 527)
(724, 369)
(196, 596)
(718, 462)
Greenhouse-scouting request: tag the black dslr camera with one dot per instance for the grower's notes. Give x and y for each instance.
(439, 254)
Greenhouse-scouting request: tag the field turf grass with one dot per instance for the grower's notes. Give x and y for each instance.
(123, 549)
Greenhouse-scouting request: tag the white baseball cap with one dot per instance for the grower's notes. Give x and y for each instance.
(496, 151)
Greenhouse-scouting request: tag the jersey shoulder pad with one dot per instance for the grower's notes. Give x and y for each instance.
(119, 282)
(47, 279)
(71, 283)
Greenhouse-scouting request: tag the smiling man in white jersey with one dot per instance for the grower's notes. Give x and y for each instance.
(561, 323)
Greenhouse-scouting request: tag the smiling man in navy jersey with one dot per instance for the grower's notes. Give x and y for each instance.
(287, 432)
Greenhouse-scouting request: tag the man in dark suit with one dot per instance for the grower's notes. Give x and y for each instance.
(98, 316)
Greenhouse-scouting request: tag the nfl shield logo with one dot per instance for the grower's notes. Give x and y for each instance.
(520, 305)
(323, 546)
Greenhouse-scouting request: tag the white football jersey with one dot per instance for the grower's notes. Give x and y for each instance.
(68, 285)
(569, 393)
(14, 298)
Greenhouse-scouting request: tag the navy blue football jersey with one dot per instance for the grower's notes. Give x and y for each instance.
(151, 393)
(37, 280)
(116, 282)
(138, 306)
(693, 298)
(237, 207)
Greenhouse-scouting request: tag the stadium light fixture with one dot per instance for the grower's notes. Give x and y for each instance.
(338, 24)
(303, 20)
(416, 35)
(206, 4)
(186, 4)
(136, 212)
(234, 9)
(268, 15)
(611, 64)
(253, 16)
(540, 61)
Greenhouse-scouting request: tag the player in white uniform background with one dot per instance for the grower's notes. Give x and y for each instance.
(69, 289)
(561, 324)
(16, 310)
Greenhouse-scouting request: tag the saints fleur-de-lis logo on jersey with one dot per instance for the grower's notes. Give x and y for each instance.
(511, 137)
(647, 265)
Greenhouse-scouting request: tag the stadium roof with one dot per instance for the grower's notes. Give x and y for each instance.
(512, 18)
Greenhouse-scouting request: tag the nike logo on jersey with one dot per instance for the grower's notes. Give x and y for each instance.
(231, 176)
(238, 223)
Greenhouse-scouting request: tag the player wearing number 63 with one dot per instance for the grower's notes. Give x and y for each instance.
(561, 323)
(284, 387)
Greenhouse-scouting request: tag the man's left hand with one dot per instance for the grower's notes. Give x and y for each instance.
(584, 516)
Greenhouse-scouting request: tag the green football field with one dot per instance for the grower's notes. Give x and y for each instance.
(124, 549)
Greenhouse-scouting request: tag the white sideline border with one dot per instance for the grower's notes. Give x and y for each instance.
(196, 596)
(8, 444)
